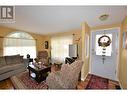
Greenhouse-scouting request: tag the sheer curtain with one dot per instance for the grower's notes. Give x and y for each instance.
(60, 47)
(20, 43)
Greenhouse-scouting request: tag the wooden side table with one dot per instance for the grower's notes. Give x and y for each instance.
(39, 74)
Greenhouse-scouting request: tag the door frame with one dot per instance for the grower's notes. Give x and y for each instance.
(118, 52)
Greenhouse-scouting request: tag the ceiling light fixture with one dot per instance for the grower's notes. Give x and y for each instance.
(104, 17)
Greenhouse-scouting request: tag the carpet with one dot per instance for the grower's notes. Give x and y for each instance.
(23, 81)
(97, 82)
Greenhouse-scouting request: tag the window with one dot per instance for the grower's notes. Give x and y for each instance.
(60, 47)
(20, 43)
(99, 49)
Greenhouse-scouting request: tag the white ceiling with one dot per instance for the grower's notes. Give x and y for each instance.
(52, 19)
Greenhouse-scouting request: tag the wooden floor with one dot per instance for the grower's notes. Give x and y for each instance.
(6, 84)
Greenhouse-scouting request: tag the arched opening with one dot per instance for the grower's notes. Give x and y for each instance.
(20, 43)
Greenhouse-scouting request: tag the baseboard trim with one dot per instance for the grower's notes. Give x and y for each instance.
(82, 79)
(120, 84)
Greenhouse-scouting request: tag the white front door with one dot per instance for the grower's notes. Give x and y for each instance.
(105, 66)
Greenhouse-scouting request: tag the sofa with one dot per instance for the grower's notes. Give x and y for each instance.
(66, 78)
(11, 65)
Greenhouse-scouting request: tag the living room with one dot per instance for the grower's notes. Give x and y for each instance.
(55, 37)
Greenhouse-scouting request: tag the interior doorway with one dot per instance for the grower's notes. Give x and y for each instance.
(104, 53)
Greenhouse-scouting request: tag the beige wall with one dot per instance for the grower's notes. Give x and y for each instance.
(85, 68)
(123, 59)
(4, 31)
(47, 38)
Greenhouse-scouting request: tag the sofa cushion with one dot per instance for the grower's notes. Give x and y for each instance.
(2, 61)
(21, 59)
(15, 59)
(10, 67)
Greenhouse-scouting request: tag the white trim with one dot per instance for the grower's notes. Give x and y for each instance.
(85, 77)
(90, 51)
(120, 84)
(118, 55)
(105, 29)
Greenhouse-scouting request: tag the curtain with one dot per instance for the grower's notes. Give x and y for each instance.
(60, 47)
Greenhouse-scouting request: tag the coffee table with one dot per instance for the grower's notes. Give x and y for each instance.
(39, 74)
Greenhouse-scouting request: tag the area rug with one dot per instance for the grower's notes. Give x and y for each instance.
(23, 81)
(97, 82)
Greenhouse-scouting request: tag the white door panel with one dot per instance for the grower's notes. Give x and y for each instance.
(108, 67)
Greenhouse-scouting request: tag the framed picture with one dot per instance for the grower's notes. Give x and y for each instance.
(125, 40)
(46, 45)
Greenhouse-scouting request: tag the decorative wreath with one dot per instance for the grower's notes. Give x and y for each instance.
(104, 44)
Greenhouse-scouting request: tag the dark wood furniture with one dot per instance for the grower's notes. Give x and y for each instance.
(39, 74)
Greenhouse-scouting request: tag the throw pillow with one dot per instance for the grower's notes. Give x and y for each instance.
(21, 59)
(14, 59)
